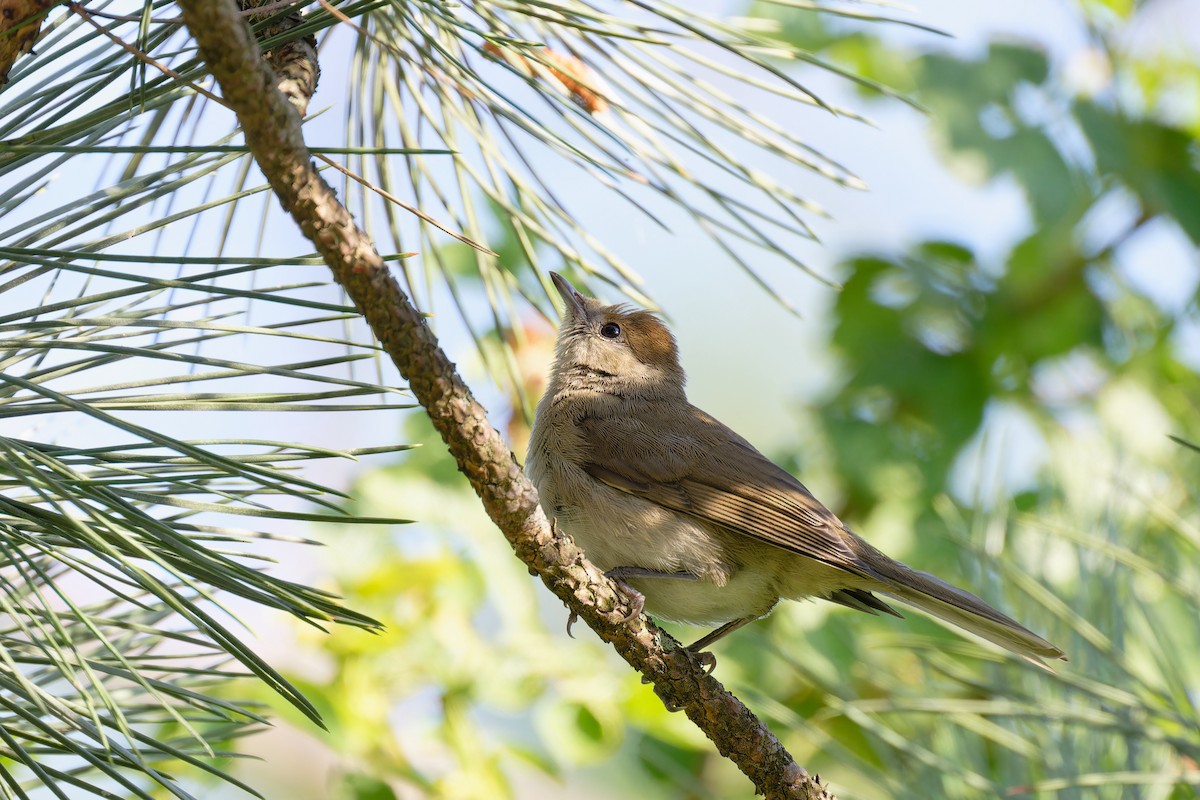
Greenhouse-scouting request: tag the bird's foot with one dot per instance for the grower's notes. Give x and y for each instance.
(637, 600)
(705, 660)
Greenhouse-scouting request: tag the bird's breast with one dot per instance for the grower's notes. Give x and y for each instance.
(619, 530)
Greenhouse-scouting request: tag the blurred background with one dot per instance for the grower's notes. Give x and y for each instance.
(970, 326)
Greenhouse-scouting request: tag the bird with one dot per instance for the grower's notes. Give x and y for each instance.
(687, 517)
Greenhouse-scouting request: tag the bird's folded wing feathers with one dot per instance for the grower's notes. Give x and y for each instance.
(700, 467)
(704, 469)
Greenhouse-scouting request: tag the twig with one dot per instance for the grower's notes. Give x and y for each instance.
(138, 54)
(273, 133)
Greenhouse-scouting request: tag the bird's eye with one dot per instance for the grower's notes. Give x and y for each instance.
(611, 330)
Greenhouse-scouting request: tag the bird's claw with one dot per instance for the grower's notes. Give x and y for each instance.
(637, 600)
(572, 618)
(705, 660)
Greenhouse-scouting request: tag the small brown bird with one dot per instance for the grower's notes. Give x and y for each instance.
(698, 525)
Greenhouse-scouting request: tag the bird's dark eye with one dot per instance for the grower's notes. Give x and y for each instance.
(611, 330)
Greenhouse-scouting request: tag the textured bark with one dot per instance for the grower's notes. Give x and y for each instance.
(20, 25)
(295, 61)
(272, 130)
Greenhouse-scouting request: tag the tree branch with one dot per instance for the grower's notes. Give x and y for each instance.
(20, 26)
(295, 61)
(272, 131)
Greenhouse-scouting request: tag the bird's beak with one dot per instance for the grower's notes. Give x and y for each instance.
(573, 299)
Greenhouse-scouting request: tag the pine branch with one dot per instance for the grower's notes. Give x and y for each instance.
(273, 134)
(20, 26)
(295, 60)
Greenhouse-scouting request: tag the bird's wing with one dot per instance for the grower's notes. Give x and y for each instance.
(700, 467)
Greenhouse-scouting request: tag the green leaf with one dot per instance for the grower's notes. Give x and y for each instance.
(1055, 191)
(358, 786)
(1045, 307)
(1157, 162)
(916, 389)
(990, 80)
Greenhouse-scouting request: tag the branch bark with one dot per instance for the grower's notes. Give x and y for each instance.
(273, 134)
(295, 61)
(20, 27)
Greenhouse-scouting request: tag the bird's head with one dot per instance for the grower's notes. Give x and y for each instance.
(615, 348)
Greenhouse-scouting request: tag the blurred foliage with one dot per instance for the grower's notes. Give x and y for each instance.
(1055, 349)
(941, 345)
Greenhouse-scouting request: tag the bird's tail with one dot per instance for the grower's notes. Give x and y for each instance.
(934, 596)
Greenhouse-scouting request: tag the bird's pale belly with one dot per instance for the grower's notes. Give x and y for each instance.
(705, 604)
(635, 533)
